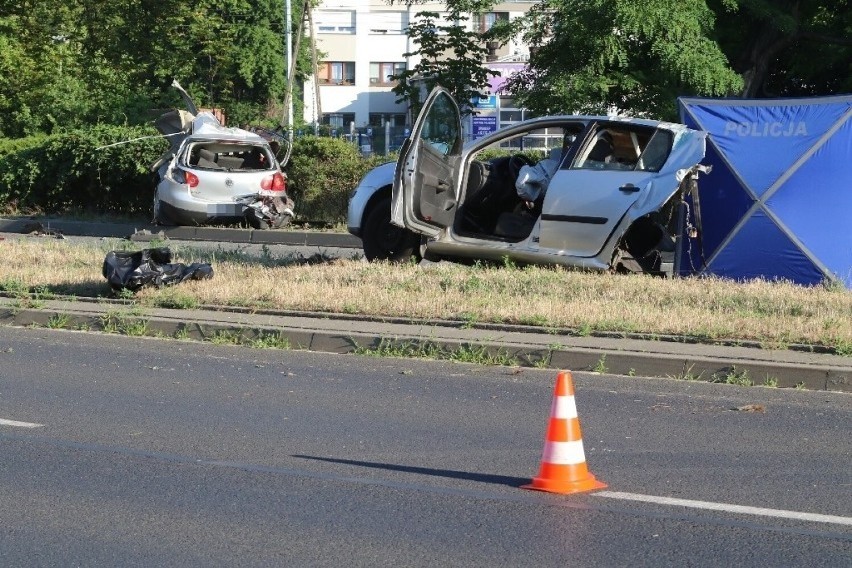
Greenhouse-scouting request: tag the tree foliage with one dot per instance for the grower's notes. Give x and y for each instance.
(638, 56)
(67, 63)
(449, 54)
(635, 56)
(788, 47)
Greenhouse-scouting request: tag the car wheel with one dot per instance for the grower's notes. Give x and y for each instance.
(385, 241)
(160, 216)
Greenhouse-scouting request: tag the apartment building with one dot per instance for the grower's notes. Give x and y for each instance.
(362, 43)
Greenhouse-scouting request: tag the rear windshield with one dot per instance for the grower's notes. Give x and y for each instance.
(229, 156)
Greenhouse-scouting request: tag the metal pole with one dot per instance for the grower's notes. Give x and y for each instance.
(289, 35)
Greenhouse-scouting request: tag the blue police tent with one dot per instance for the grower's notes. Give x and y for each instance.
(778, 202)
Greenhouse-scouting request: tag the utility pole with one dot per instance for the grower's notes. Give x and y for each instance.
(289, 35)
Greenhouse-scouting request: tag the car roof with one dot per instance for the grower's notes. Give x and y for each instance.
(607, 118)
(206, 127)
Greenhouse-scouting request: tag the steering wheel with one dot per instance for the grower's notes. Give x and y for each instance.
(516, 162)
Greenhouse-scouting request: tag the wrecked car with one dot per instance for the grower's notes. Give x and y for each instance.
(215, 174)
(594, 192)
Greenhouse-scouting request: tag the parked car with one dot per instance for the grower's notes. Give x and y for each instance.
(215, 174)
(593, 192)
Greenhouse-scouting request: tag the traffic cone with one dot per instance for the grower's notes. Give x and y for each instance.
(563, 462)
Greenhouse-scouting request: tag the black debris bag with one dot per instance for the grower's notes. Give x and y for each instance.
(154, 267)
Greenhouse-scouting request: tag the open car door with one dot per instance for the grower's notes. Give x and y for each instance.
(425, 196)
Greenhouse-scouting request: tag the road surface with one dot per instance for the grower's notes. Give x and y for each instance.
(144, 452)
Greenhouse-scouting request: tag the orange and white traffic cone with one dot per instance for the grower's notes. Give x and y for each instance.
(563, 463)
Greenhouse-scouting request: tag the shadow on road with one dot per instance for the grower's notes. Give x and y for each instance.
(468, 475)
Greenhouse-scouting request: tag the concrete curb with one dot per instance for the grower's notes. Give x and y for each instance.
(616, 356)
(146, 232)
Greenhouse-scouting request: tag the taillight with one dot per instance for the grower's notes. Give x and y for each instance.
(275, 182)
(191, 179)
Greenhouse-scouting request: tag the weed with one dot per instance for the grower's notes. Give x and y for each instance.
(226, 337)
(600, 366)
(182, 333)
(584, 330)
(58, 321)
(270, 341)
(770, 382)
(843, 348)
(800, 385)
(469, 320)
(176, 300)
(135, 327)
(631, 372)
(736, 376)
(124, 323)
(480, 355)
(687, 375)
(125, 294)
(42, 292)
(429, 350)
(14, 288)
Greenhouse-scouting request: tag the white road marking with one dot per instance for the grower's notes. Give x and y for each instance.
(741, 509)
(4, 422)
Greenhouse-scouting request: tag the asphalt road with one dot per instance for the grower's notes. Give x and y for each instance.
(143, 452)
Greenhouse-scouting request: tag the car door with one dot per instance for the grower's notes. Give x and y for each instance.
(617, 165)
(425, 198)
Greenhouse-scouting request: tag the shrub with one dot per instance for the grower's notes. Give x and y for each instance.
(75, 171)
(322, 172)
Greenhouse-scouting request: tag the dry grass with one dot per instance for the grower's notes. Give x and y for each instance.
(774, 314)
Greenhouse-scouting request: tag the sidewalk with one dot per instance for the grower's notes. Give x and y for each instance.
(336, 333)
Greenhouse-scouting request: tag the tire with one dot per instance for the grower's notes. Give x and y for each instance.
(160, 217)
(383, 240)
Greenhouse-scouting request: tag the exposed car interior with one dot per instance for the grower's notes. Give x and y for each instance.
(229, 157)
(492, 207)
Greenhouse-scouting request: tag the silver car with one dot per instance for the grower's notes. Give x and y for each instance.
(593, 192)
(215, 174)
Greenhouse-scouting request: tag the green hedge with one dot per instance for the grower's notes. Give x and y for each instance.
(321, 174)
(73, 171)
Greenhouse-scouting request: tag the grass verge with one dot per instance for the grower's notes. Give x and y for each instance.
(773, 314)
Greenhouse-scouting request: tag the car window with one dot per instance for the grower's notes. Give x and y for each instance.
(625, 147)
(439, 129)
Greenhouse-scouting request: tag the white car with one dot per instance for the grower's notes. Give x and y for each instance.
(214, 174)
(599, 192)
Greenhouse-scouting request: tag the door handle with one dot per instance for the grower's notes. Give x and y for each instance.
(443, 186)
(629, 188)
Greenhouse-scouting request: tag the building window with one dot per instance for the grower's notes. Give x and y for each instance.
(341, 120)
(336, 73)
(380, 119)
(484, 22)
(380, 73)
(335, 21)
(388, 23)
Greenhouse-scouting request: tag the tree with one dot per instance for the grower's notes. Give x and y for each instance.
(638, 56)
(450, 56)
(634, 56)
(788, 47)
